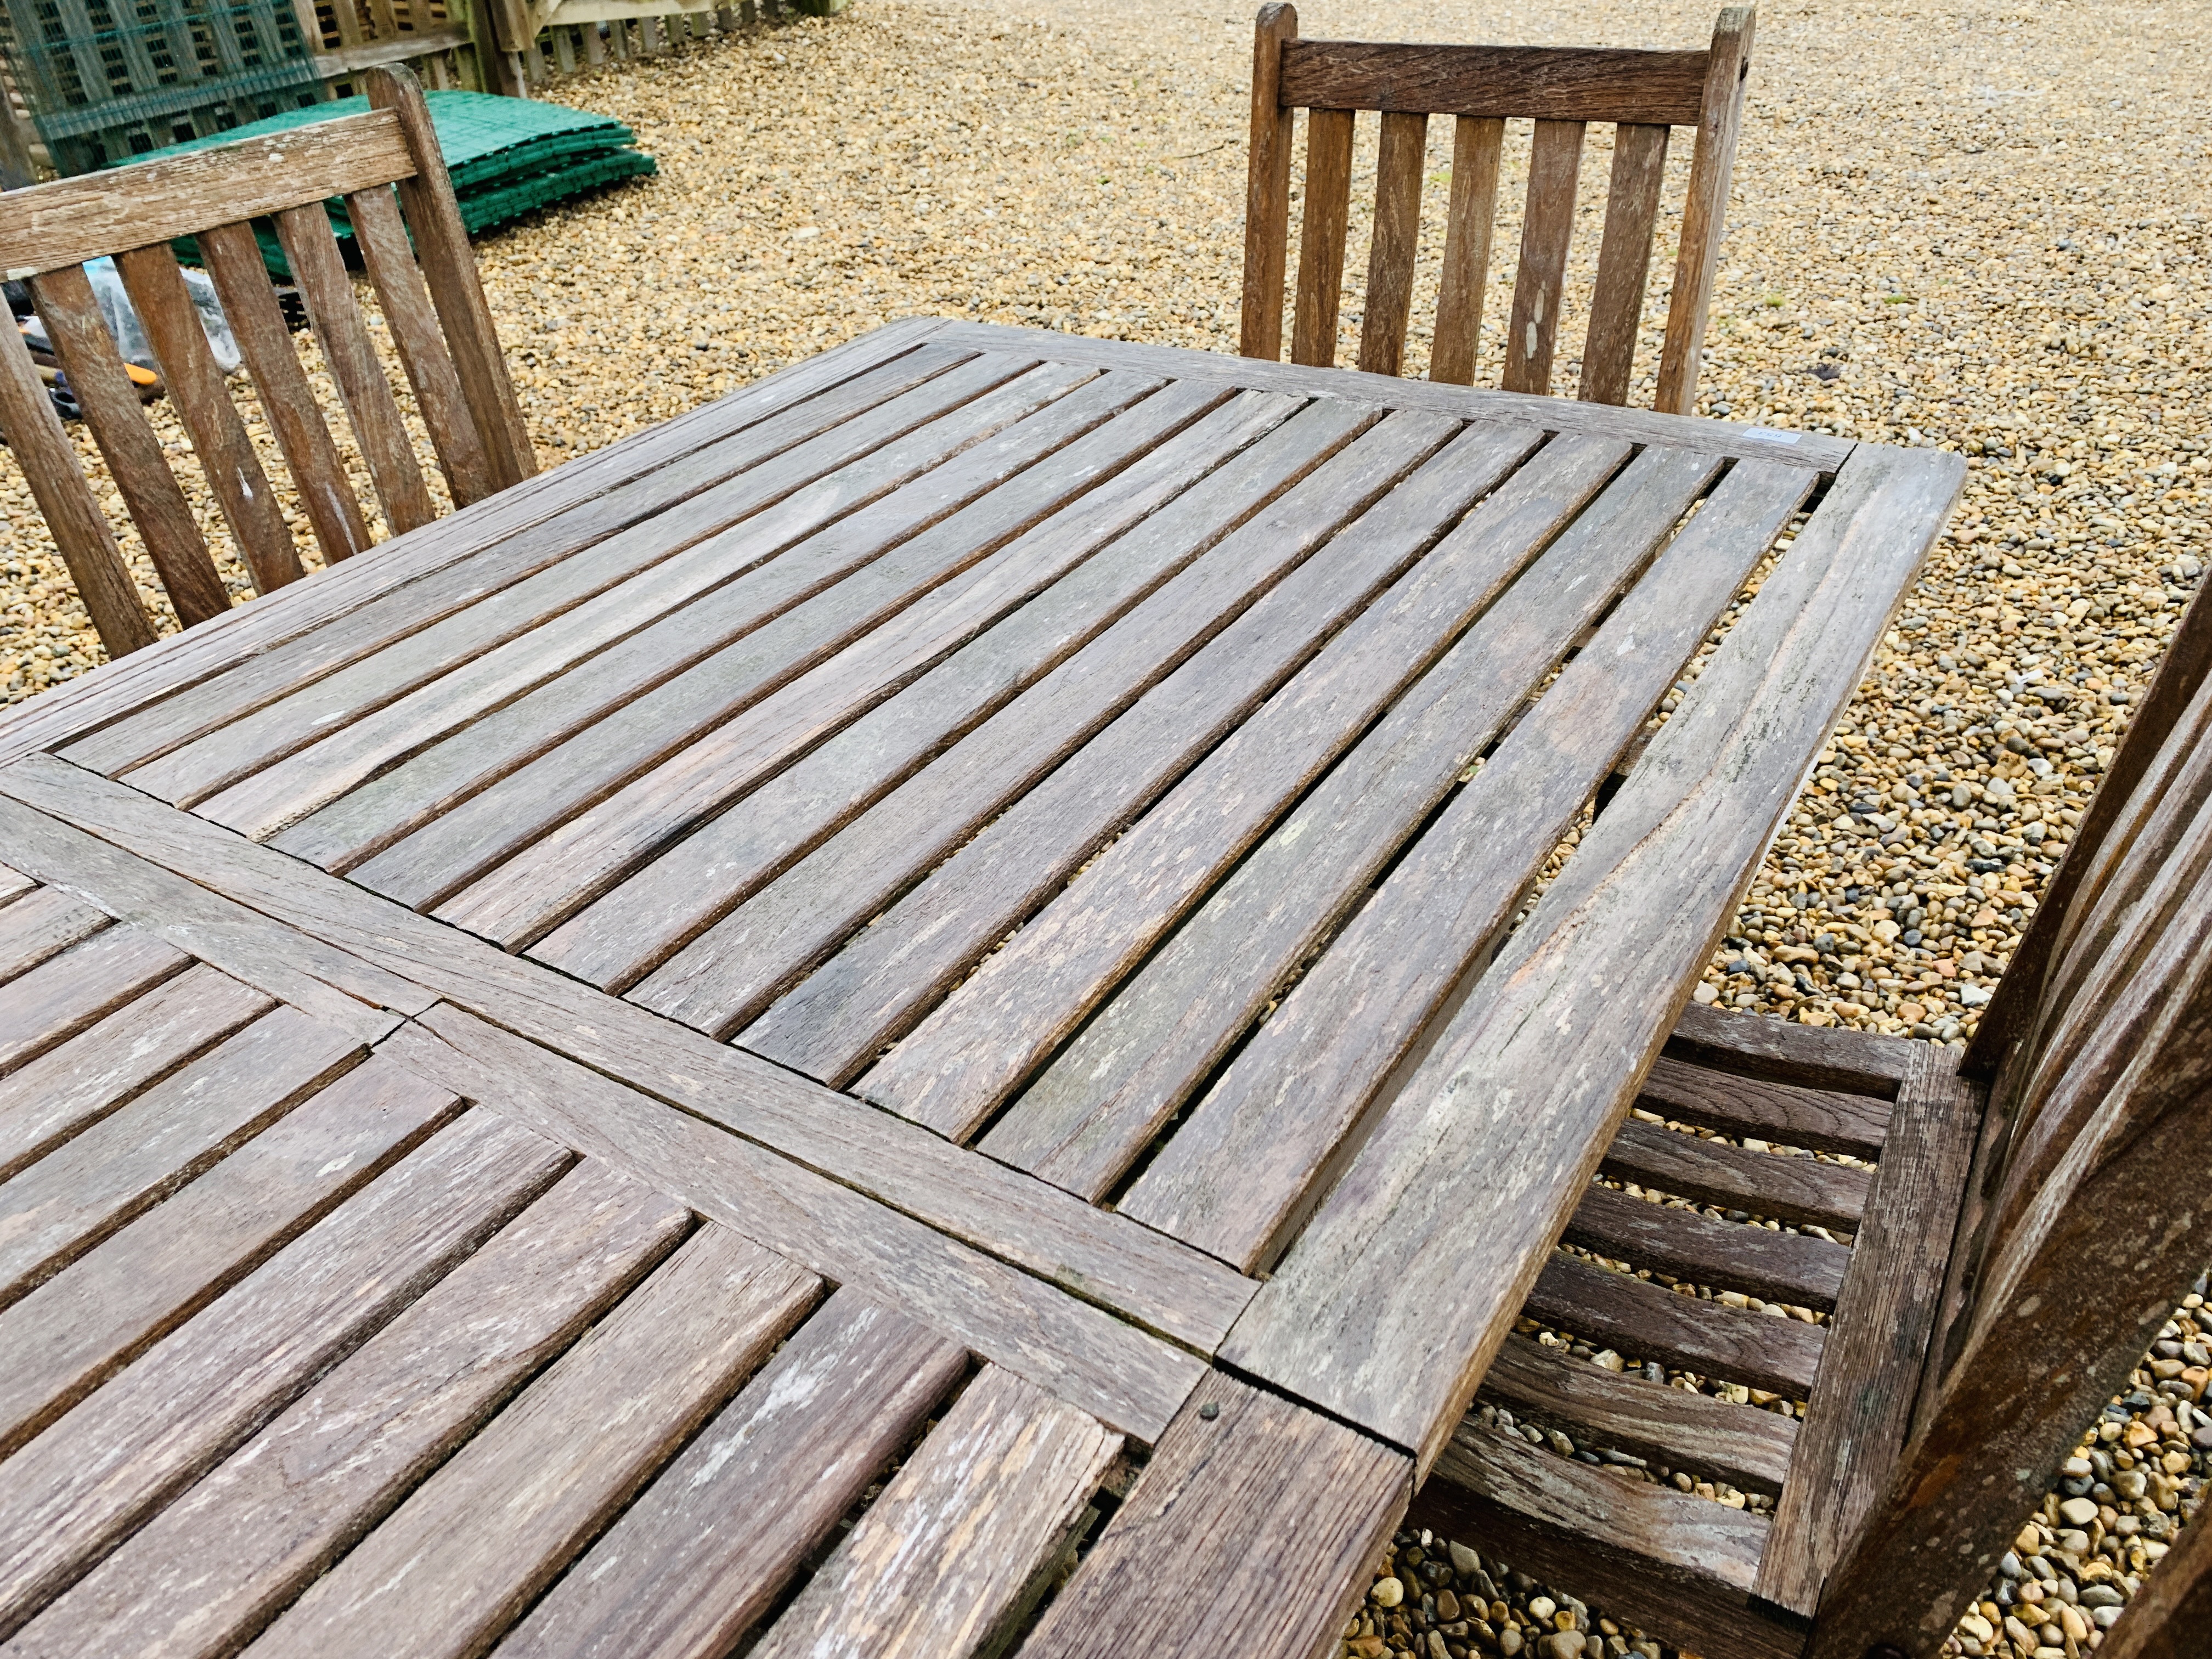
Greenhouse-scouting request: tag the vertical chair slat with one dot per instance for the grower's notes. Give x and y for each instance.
(49, 464)
(1624, 261)
(1555, 163)
(1478, 143)
(141, 472)
(1705, 212)
(1321, 240)
(233, 471)
(1267, 189)
(311, 250)
(1397, 233)
(441, 245)
(564, 52)
(595, 50)
(234, 259)
(413, 325)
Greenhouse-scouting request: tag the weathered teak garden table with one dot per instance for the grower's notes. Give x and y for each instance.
(1000, 864)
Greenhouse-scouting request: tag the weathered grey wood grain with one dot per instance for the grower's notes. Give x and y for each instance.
(1130, 1381)
(207, 765)
(944, 1554)
(1478, 144)
(109, 695)
(99, 1472)
(1803, 1056)
(339, 989)
(511, 1509)
(1820, 1120)
(70, 1200)
(1676, 1565)
(1794, 1269)
(732, 971)
(1545, 84)
(1160, 1283)
(1689, 1333)
(1482, 1155)
(13, 883)
(785, 683)
(105, 1064)
(290, 1500)
(1240, 1477)
(44, 923)
(1242, 1169)
(1638, 426)
(1794, 1189)
(1856, 1420)
(1081, 1123)
(66, 994)
(1633, 1414)
(608, 840)
(1697, 260)
(832, 1024)
(1151, 519)
(704, 1549)
(69, 1335)
(683, 608)
(435, 782)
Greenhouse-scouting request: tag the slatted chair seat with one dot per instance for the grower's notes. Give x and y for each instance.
(433, 310)
(2033, 1217)
(1643, 95)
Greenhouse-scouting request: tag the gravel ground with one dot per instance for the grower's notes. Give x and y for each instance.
(1981, 228)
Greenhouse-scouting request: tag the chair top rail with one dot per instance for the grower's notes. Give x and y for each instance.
(49, 227)
(1544, 83)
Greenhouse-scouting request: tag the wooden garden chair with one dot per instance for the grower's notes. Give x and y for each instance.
(435, 313)
(1644, 93)
(2034, 1217)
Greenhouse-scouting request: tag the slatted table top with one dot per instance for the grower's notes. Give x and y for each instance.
(992, 954)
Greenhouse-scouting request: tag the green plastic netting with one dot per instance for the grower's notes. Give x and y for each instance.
(506, 156)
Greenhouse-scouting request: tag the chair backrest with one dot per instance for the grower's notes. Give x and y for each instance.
(1644, 93)
(2085, 1215)
(435, 313)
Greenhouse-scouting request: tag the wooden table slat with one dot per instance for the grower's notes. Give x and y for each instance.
(42, 923)
(69, 1087)
(1166, 1286)
(1152, 520)
(1794, 1269)
(703, 1550)
(290, 1500)
(755, 557)
(67, 1336)
(1130, 1381)
(85, 983)
(71, 1199)
(1819, 1120)
(1802, 1190)
(742, 963)
(245, 745)
(1083, 1120)
(1238, 1177)
(253, 655)
(1277, 1511)
(948, 1549)
(834, 1024)
(431, 785)
(1686, 1333)
(1355, 1318)
(481, 1537)
(602, 758)
(79, 1488)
